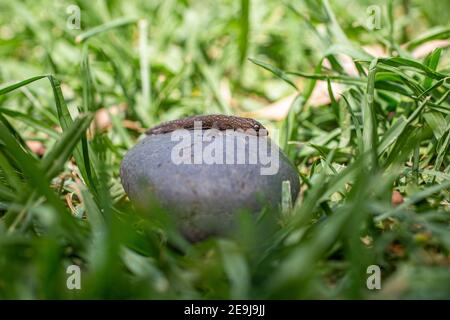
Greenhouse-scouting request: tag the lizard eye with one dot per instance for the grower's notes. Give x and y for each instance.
(256, 127)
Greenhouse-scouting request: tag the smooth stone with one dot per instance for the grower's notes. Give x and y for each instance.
(203, 198)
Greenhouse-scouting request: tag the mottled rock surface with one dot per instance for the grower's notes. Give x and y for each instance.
(202, 198)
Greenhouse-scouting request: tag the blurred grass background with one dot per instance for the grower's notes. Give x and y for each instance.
(370, 138)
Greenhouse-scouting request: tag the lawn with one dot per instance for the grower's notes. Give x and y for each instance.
(356, 93)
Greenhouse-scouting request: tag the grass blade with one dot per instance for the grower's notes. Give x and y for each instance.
(369, 117)
(55, 158)
(278, 72)
(17, 85)
(104, 28)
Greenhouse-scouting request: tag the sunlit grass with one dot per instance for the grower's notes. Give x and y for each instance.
(84, 98)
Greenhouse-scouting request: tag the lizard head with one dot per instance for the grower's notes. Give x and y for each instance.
(249, 123)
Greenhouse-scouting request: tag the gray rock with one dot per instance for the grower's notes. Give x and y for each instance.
(202, 180)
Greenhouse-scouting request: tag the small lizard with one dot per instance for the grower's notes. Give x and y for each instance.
(217, 121)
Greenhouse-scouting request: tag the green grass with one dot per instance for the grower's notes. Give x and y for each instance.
(389, 129)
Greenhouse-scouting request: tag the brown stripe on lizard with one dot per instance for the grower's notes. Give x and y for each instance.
(217, 121)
